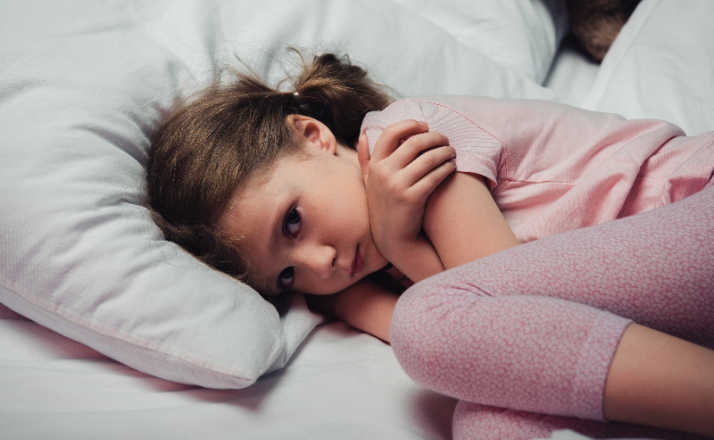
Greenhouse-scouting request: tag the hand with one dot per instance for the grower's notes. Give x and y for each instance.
(408, 164)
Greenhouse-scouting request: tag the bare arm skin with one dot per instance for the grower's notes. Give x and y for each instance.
(455, 228)
(464, 223)
(366, 306)
(369, 307)
(407, 164)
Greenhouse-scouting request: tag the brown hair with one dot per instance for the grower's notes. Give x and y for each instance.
(208, 147)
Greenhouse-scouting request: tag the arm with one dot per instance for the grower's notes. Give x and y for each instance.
(369, 306)
(366, 305)
(464, 223)
(401, 177)
(402, 183)
(407, 165)
(457, 212)
(419, 260)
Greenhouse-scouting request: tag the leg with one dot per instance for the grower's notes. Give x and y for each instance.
(474, 421)
(526, 328)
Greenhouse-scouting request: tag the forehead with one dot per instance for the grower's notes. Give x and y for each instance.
(257, 195)
(253, 211)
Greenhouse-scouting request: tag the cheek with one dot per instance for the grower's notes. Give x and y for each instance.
(347, 205)
(360, 214)
(358, 199)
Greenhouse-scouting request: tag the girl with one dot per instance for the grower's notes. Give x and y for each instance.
(267, 186)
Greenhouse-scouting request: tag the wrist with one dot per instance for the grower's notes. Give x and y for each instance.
(417, 260)
(366, 306)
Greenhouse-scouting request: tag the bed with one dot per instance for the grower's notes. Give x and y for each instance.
(107, 331)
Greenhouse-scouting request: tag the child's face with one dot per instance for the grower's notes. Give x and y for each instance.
(303, 225)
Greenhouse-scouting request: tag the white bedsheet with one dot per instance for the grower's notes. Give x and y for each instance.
(340, 384)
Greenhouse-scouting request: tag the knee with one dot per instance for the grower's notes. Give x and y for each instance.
(408, 310)
(483, 422)
(413, 327)
(475, 421)
(471, 421)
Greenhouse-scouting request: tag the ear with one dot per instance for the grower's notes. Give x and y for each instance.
(313, 133)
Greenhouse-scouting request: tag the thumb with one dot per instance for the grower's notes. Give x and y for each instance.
(363, 153)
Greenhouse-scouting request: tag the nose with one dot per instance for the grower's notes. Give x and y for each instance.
(319, 259)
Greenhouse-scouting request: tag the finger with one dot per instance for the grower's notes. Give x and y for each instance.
(426, 163)
(417, 145)
(424, 187)
(363, 153)
(392, 136)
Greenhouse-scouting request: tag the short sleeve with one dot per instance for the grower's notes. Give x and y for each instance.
(477, 150)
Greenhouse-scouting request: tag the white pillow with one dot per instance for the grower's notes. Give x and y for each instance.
(521, 35)
(674, 76)
(83, 86)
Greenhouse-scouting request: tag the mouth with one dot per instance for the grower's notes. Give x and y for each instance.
(356, 263)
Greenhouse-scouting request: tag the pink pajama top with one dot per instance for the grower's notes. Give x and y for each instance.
(553, 167)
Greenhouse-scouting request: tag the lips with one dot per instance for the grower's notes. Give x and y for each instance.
(356, 263)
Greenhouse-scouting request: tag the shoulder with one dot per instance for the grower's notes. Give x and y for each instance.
(439, 112)
(405, 108)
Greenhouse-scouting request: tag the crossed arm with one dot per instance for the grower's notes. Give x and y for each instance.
(419, 217)
(368, 306)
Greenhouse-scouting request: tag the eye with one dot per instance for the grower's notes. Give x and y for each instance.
(286, 278)
(292, 223)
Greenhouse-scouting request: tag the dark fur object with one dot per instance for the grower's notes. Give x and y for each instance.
(596, 23)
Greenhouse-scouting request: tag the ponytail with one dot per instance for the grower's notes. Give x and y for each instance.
(338, 94)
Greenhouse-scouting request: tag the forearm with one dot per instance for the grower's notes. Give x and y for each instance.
(366, 306)
(418, 261)
(660, 380)
(463, 232)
